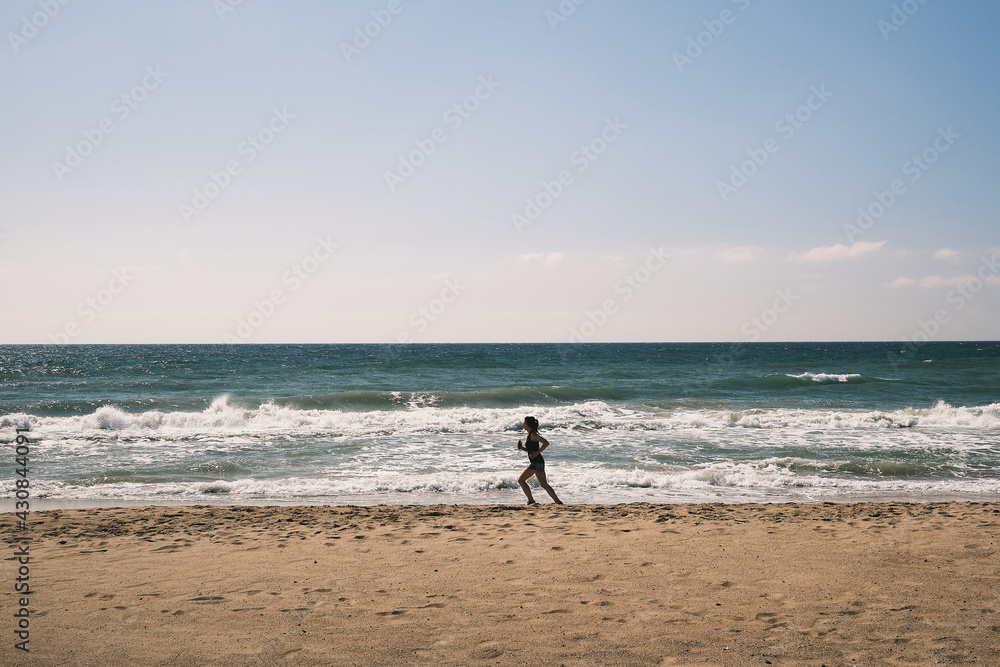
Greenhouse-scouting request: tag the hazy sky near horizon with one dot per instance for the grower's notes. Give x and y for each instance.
(724, 170)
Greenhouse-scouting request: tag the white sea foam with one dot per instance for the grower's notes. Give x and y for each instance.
(826, 377)
(225, 419)
(726, 479)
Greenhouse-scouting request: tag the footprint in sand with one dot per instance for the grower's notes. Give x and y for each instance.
(486, 653)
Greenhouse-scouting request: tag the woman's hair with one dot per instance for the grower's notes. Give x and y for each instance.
(532, 422)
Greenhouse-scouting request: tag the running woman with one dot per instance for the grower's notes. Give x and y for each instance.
(536, 464)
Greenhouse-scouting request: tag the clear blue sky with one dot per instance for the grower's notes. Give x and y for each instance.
(648, 237)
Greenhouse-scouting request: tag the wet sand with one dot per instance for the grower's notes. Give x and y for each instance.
(783, 584)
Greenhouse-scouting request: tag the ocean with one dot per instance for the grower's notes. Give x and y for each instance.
(418, 424)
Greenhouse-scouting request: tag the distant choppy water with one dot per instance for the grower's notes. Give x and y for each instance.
(439, 423)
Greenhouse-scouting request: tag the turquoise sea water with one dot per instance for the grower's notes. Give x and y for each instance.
(440, 423)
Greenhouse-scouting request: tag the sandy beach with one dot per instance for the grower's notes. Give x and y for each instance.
(782, 584)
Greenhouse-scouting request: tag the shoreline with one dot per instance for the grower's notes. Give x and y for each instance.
(634, 584)
(7, 505)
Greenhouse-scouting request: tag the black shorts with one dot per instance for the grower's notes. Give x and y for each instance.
(537, 463)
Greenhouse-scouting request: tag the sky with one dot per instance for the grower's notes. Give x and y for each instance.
(217, 171)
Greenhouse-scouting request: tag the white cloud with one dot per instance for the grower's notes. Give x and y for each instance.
(839, 252)
(685, 253)
(735, 255)
(956, 281)
(961, 280)
(901, 281)
(547, 259)
(946, 254)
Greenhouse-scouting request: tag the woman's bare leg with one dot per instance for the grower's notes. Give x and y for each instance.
(545, 485)
(523, 481)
